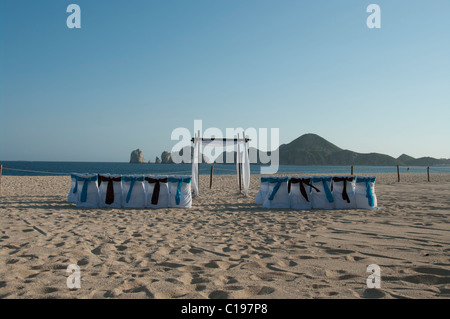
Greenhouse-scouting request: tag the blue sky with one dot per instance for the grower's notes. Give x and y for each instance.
(136, 70)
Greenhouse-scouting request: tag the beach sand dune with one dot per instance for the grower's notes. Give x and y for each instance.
(225, 246)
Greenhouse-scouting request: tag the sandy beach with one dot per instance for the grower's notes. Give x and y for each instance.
(225, 246)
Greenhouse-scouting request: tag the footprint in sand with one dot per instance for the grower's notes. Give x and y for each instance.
(97, 251)
(170, 265)
(373, 293)
(433, 271)
(266, 291)
(140, 289)
(199, 280)
(218, 294)
(83, 262)
(121, 247)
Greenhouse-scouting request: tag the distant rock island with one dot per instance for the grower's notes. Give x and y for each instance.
(137, 157)
(311, 149)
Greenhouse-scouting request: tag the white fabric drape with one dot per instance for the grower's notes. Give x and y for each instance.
(244, 162)
(197, 146)
(245, 169)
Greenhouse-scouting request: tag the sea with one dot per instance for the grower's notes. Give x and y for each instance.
(25, 168)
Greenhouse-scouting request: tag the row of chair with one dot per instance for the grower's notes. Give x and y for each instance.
(317, 192)
(130, 191)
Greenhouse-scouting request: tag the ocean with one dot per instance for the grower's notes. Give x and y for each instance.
(24, 168)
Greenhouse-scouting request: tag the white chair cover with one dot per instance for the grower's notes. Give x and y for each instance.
(365, 196)
(277, 195)
(133, 194)
(72, 196)
(300, 193)
(321, 196)
(261, 195)
(344, 192)
(152, 200)
(112, 197)
(87, 190)
(180, 191)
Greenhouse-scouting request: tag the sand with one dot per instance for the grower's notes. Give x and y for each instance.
(225, 246)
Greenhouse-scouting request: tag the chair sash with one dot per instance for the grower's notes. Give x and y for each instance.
(327, 190)
(302, 182)
(157, 188)
(369, 193)
(86, 180)
(132, 180)
(277, 180)
(110, 188)
(344, 189)
(178, 180)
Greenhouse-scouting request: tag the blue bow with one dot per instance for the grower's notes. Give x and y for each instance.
(327, 190)
(86, 181)
(179, 181)
(75, 189)
(132, 179)
(277, 180)
(369, 193)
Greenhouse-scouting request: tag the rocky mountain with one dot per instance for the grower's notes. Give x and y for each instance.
(137, 156)
(422, 161)
(167, 157)
(311, 149)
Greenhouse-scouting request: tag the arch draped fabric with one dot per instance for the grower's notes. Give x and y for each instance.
(242, 155)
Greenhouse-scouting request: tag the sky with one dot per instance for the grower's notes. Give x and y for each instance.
(137, 70)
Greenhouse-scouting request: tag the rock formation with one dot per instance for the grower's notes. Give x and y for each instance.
(137, 156)
(166, 158)
(157, 161)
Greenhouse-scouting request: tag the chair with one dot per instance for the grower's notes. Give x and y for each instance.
(365, 197)
(261, 195)
(157, 190)
(110, 190)
(344, 192)
(180, 191)
(277, 194)
(321, 196)
(87, 190)
(133, 194)
(299, 195)
(72, 196)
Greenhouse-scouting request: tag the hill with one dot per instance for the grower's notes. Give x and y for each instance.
(311, 149)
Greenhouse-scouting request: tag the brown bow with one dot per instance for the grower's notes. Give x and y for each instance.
(302, 182)
(344, 190)
(109, 189)
(156, 189)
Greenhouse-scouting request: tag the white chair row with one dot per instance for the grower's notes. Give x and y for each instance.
(130, 191)
(317, 192)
